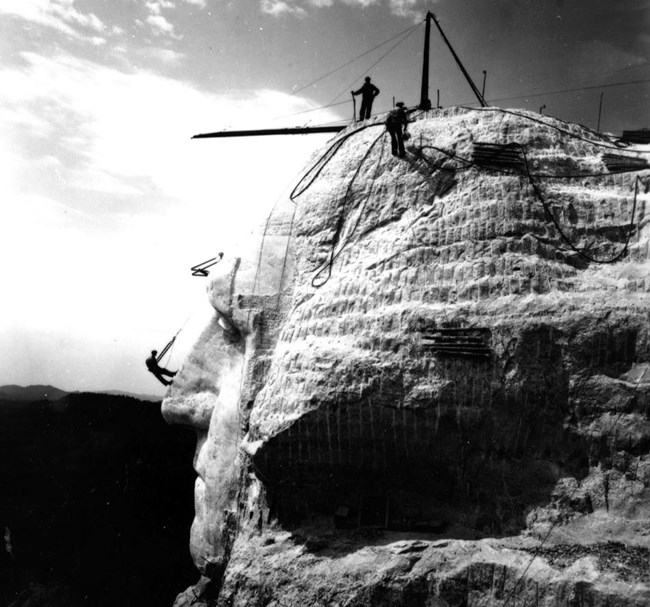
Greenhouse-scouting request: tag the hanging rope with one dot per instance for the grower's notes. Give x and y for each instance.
(538, 194)
(582, 251)
(168, 347)
(170, 344)
(319, 278)
(317, 168)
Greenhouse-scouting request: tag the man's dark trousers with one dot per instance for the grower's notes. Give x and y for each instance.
(396, 139)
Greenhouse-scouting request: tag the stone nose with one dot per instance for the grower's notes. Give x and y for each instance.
(193, 396)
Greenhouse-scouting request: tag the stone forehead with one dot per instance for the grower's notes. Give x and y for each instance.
(399, 246)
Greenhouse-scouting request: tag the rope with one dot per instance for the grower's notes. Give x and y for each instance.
(318, 167)
(538, 194)
(332, 103)
(170, 344)
(286, 253)
(266, 229)
(575, 90)
(392, 48)
(374, 48)
(312, 174)
(319, 282)
(581, 252)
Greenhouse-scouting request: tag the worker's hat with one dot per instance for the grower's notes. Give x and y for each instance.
(400, 104)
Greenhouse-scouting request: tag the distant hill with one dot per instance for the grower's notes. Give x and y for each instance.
(94, 500)
(25, 394)
(31, 393)
(148, 397)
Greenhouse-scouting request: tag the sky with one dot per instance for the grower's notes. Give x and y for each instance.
(107, 202)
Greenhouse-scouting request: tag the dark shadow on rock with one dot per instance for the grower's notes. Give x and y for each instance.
(470, 462)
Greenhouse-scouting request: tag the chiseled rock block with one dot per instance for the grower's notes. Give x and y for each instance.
(424, 349)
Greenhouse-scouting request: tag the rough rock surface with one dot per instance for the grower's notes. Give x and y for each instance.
(428, 385)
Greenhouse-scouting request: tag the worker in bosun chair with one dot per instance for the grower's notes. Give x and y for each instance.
(368, 93)
(396, 127)
(157, 371)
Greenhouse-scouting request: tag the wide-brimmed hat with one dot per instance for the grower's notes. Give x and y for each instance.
(400, 104)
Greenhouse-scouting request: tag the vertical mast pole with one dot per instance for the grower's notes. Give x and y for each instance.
(425, 103)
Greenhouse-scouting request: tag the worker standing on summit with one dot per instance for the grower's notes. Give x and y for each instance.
(368, 93)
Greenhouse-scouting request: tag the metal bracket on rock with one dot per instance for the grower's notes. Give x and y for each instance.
(201, 269)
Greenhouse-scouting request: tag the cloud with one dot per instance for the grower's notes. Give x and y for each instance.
(199, 3)
(280, 7)
(163, 55)
(362, 3)
(161, 26)
(60, 15)
(400, 8)
(109, 202)
(408, 8)
(155, 6)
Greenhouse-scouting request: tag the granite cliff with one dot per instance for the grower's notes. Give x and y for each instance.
(428, 383)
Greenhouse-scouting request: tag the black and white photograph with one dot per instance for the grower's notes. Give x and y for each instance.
(325, 303)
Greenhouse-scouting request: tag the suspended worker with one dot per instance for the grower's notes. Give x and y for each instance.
(368, 93)
(155, 369)
(396, 127)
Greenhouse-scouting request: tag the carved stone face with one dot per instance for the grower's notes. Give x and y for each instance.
(424, 337)
(211, 391)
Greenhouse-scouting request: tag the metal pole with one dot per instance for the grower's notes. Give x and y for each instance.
(438, 100)
(460, 64)
(600, 109)
(483, 89)
(425, 104)
(541, 109)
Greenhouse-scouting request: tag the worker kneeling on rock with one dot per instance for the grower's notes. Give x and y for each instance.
(157, 371)
(396, 127)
